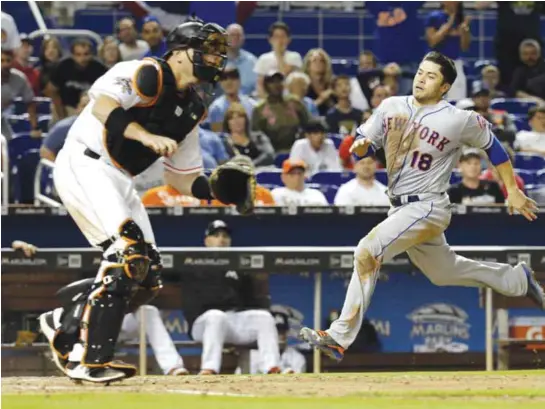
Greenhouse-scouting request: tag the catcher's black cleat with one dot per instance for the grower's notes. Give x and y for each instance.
(78, 372)
(535, 291)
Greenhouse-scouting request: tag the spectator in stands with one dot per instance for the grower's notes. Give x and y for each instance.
(212, 145)
(315, 149)
(533, 141)
(297, 83)
(50, 55)
(279, 117)
(369, 76)
(16, 85)
(10, 35)
(167, 196)
(130, 47)
(242, 59)
(280, 59)
(364, 189)
(533, 66)
(392, 77)
(152, 33)
(397, 23)
(472, 190)
(230, 84)
(227, 307)
(492, 174)
(263, 197)
(343, 118)
(380, 93)
(347, 161)
(72, 76)
(537, 86)
(317, 65)
(239, 140)
(447, 31)
(166, 355)
(516, 21)
(108, 53)
(490, 79)
(503, 126)
(294, 192)
(23, 64)
(54, 141)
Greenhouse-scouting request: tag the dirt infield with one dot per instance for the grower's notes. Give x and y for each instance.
(512, 384)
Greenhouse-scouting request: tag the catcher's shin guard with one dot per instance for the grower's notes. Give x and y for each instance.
(73, 298)
(102, 318)
(108, 300)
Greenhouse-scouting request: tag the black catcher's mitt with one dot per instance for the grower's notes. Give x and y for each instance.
(234, 183)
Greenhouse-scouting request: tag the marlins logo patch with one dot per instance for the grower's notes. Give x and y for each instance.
(124, 83)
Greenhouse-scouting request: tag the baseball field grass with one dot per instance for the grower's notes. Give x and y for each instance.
(437, 390)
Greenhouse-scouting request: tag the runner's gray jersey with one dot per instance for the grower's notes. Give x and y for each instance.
(423, 144)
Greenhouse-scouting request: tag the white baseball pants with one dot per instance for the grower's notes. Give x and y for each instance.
(98, 196)
(215, 327)
(163, 348)
(417, 228)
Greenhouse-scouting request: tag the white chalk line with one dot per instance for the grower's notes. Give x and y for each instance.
(197, 392)
(87, 388)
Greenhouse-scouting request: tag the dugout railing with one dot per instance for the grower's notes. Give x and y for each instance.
(289, 260)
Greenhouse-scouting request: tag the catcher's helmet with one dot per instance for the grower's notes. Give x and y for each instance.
(205, 39)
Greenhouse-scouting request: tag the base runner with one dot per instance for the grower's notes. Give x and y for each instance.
(423, 136)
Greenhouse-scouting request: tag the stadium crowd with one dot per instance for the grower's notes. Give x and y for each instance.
(292, 114)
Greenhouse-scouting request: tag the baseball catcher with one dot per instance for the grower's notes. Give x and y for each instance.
(139, 111)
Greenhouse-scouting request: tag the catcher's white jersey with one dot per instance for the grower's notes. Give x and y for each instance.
(118, 84)
(423, 144)
(98, 195)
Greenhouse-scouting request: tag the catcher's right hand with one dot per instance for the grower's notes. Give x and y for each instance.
(234, 183)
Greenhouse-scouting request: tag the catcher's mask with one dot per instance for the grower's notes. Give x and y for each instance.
(206, 39)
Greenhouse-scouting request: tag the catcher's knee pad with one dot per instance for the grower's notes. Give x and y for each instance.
(132, 250)
(152, 284)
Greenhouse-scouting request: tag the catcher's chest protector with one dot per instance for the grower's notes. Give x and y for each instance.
(173, 115)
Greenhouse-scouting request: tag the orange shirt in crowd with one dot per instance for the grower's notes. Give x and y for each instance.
(263, 197)
(167, 196)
